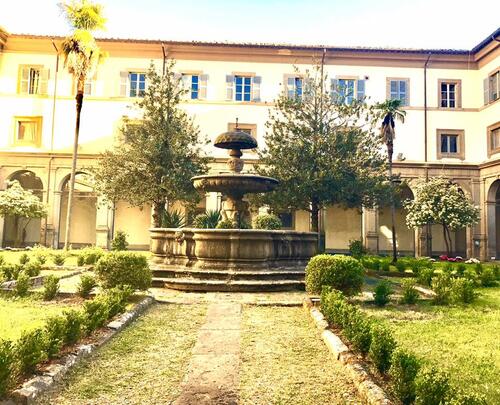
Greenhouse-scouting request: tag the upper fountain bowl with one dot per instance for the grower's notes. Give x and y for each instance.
(235, 140)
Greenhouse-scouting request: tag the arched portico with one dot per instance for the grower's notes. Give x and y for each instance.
(18, 231)
(493, 223)
(83, 222)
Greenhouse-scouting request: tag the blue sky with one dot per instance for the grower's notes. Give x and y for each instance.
(379, 23)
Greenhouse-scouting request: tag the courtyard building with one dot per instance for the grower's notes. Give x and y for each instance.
(452, 129)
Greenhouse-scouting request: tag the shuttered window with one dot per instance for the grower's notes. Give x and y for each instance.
(399, 89)
(33, 80)
(243, 88)
(345, 91)
(196, 85)
(293, 87)
(492, 88)
(494, 139)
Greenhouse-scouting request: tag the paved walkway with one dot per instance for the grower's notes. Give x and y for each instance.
(213, 372)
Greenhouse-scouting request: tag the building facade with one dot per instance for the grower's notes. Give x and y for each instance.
(452, 128)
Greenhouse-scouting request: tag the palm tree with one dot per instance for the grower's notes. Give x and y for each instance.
(391, 111)
(81, 56)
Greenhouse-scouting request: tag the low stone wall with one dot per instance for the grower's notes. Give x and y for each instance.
(238, 249)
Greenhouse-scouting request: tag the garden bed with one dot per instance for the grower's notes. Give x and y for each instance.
(23, 314)
(461, 339)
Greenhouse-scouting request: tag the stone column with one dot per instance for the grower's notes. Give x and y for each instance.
(370, 229)
(1, 231)
(103, 217)
(476, 235)
(56, 218)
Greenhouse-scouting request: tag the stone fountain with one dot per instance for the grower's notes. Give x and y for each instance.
(231, 259)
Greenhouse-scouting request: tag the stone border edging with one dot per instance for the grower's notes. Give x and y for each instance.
(37, 385)
(368, 389)
(37, 281)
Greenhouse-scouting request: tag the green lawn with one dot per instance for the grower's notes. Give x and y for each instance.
(144, 364)
(13, 257)
(284, 361)
(462, 339)
(20, 314)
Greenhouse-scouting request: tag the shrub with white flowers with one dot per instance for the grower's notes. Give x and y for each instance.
(17, 202)
(438, 201)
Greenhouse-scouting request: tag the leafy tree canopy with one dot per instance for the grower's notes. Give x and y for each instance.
(159, 152)
(16, 201)
(323, 150)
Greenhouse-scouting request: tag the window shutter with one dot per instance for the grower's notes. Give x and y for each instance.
(229, 87)
(203, 86)
(361, 90)
(407, 94)
(44, 81)
(24, 79)
(486, 90)
(123, 84)
(335, 90)
(256, 80)
(285, 83)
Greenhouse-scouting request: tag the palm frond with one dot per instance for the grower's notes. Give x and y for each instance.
(84, 15)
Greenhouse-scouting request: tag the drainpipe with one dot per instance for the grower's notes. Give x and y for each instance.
(51, 139)
(428, 240)
(164, 57)
(425, 116)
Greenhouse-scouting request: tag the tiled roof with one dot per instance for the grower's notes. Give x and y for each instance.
(493, 37)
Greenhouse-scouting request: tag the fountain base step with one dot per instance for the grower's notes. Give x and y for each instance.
(228, 281)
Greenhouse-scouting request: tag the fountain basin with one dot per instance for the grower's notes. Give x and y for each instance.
(230, 183)
(232, 249)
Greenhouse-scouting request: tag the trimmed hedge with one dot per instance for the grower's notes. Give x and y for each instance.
(118, 269)
(35, 346)
(409, 381)
(344, 273)
(267, 221)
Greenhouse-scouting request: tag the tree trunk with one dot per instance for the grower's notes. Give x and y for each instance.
(79, 103)
(450, 241)
(446, 240)
(314, 215)
(390, 151)
(157, 213)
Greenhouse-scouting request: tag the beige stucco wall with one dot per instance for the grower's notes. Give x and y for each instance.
(135, 222)
(341, 226)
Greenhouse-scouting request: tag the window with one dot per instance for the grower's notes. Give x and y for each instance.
(137, 82)
(87, 88)
(250, 129)
(293, 86)
(492, 87)
(132, 84)
(192, 85)
(493, 138)
(196, 85)
(450, 143)
(243, 87)
(28, 131)
(449, 93)
(33, 80)
(345, 91)
(399, 89)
